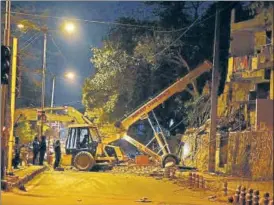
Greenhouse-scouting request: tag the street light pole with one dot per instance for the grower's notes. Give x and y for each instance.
(52, 91)
(43, 77)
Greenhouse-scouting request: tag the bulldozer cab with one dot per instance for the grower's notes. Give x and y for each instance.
(82, 137)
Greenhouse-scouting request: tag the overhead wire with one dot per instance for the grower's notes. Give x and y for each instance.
(177, 38)
(90, 21)
(58, 48)
(188, 28)
(33, 36)
(153, 28)
(24, 47)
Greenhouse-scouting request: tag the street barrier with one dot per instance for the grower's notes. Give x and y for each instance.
(225, 188)
(196, 181)
(256, 197)
(237, 195)
(249, 198)
(242, 196)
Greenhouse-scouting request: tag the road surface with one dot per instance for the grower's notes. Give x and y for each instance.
(90, 188)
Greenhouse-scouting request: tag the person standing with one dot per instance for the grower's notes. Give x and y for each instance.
(16, 159)
(35, 150)
(57, 150)
(42, 150)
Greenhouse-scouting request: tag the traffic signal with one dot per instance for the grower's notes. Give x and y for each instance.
(5, 64)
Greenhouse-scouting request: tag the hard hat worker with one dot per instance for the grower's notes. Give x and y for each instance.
(57, 150)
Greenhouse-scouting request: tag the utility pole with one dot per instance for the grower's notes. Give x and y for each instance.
(214, 94)
(12, 103)
(4, 93)
(43, 77)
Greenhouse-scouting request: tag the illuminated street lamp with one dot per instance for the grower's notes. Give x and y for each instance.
(69, 27)
(20, 26)
(70, 75)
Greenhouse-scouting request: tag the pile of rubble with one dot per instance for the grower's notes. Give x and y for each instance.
(148, 170)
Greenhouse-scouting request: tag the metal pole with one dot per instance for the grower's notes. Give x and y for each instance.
(4, 93)
(214, 95)
(43, 78)
(52, 91)
(12, 103)
(7, 24)
(159, 140)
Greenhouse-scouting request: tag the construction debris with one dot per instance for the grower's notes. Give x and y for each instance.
(144, 200)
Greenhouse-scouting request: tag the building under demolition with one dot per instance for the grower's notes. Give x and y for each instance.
(245, 109)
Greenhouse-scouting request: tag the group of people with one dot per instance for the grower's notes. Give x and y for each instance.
(39, 149)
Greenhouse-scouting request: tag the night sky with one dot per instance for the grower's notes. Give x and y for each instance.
(76, 49)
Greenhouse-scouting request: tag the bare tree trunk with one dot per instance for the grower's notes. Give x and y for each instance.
(181, 61)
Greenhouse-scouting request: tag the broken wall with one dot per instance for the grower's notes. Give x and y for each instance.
(198, 150)
(245, 154)
(250, 154)
(234, 93)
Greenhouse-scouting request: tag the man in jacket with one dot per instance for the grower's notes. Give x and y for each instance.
(57, 150)
(35, 145)
(42, 150)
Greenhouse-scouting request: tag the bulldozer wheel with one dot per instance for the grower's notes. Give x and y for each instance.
(169, 158)
(84, 161)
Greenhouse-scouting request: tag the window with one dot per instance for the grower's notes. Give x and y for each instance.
(268, 37)
(84, 137)
(71, 143)
(263, 90)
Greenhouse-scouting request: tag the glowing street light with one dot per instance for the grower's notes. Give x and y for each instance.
(20, 26)
(70, 75)
(70, 27)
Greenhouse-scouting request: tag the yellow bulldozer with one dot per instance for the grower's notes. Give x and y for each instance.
(84, 147)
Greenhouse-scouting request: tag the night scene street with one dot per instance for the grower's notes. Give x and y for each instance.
(137, 102)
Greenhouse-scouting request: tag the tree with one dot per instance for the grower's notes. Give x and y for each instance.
(104, 90)
(25, 133)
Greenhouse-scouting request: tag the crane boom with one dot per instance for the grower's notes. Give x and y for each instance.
(176, 87)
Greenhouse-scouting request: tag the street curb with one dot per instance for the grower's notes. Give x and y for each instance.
(9, 185)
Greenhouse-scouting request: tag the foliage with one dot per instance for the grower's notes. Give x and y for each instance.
(101, 91)
(25, 132)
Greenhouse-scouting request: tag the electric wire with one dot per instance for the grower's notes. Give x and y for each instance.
(58, 48)
(153, 28)
(85, 20)
(29, 43)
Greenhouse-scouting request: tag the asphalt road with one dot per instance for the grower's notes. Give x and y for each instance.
(87, 188)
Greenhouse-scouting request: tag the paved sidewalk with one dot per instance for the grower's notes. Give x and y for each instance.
(22, 176)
